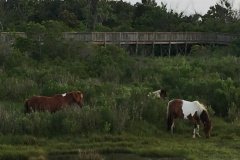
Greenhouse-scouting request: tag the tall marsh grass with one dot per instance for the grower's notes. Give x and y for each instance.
(115, 116)
(112, 111)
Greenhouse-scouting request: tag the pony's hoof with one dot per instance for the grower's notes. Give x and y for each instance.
(193, 136)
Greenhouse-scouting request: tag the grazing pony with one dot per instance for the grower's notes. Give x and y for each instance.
(54, 103)
(158, 94)
(193, 111)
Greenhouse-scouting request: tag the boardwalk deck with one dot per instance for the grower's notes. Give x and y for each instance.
(151, 37)
(142, 38)
(180, 41)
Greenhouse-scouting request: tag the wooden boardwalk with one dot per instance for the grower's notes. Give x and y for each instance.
(151, 37)
(166, 40)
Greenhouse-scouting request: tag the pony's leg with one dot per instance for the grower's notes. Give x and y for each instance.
(194, 132)
(197, 130)
(172, 126)
(170, 123)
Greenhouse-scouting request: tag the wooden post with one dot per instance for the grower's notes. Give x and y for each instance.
(186, 44)
(153, 47)
(169, 49)
(153, 41)
(105, 41)
(92, 37)
(177, 49)
(161, 50)
(136, 43)
(186, 48)
(120, 39)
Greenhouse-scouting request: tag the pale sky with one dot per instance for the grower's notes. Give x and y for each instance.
(190, 6)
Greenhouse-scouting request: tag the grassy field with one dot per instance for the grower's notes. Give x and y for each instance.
(174, 146)
(223, 144)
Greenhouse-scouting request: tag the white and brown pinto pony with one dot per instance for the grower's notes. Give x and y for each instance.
(158, 94)
(194, 111)
(54, 103)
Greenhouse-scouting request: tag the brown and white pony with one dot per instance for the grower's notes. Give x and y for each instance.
(158, 94)
(194, 111)
(54, 103)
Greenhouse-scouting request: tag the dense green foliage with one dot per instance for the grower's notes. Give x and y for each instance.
(115, 84)
(109, 15)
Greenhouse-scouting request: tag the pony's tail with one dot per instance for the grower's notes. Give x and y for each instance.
(169, 119)
(26, 109)
(169, 122)
(167, 110)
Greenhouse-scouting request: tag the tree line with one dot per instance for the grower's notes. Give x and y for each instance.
(109, 15)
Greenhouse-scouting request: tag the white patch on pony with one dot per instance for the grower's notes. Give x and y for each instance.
(64, 94)
(189, 108)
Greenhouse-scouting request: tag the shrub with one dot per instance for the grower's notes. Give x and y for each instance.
(233, 113)
(17, 89)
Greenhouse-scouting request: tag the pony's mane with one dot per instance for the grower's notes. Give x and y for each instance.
(204, 114)
(201, 105)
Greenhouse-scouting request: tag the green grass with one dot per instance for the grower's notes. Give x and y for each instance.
(167, 145)
(141, 138)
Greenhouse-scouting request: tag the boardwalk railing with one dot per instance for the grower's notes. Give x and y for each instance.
(151, 37)
(140, 37)
(9, 37)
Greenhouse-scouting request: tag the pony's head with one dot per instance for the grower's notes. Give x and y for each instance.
(207, 128)
(77, 97)
(206, 122)
(163, 93)
(158, 94)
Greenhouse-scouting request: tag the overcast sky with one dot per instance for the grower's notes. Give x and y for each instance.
(190, 6)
